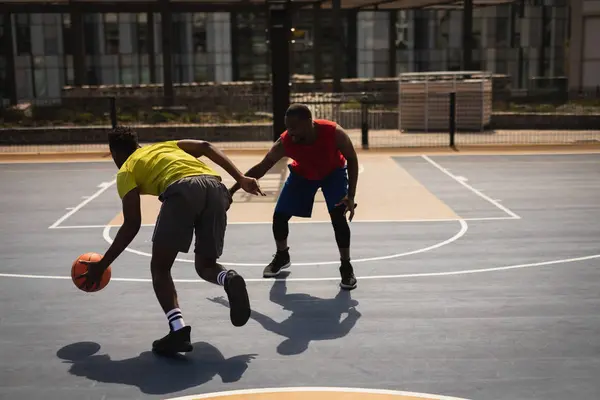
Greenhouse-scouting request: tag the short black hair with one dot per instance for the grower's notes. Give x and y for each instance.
(123, 139)
(298, 110)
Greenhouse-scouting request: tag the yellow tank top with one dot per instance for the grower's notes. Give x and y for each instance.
(154, 167)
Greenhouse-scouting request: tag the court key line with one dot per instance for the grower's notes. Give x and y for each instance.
(337, 278)
(463, 229)
(471, 188)
(373, 221)
(103, 187)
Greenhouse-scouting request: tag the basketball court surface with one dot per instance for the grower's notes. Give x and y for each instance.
(478, 278)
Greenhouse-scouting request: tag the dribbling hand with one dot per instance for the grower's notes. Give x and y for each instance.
(93, 276)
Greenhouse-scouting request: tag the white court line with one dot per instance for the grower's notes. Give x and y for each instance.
(337, 278)
(471, 188)
(316, 222)
(391, 393)
(463, 229)
(103, 186)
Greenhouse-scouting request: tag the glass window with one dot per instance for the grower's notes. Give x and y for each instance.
(127, 60)
(252, 49)
(141, 34)
(127, 77)
(69, 73)
(199, 33)
(51, 40)
(41, 83)
(67, 31)
(201, 73)
(90, 34)
(179, 39)
(23, 33)
(144, 69)
(24, 83)
(111, 34)
(3, 86)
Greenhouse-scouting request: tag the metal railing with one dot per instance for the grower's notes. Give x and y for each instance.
(373, 120)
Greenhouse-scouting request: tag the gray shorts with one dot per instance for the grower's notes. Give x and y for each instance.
(196, 204)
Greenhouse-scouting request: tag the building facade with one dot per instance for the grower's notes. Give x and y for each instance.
(527, 40)
(584, 51)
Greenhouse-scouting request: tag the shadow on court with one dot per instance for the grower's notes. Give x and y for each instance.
(312, 318)
(153, 374)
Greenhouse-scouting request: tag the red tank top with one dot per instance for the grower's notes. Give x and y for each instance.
(317, 160)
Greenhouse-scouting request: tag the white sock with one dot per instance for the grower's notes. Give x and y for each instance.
(175, 319)
(221, 278)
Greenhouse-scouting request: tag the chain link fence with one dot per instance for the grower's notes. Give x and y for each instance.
(373, 120)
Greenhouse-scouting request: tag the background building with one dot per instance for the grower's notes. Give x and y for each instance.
(528, 40)
(584, 51)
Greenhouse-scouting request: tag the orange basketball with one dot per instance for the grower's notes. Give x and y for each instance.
(79, 268)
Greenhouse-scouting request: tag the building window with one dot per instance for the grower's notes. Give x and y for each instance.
(90, 34)
(51, 40)
(141, 47)
(23, 31)
(252, 48)
(199, 33)
(373, 45)
(67, 32)
(41, 81)
(111, 34)
(3, 86)
(141, 34)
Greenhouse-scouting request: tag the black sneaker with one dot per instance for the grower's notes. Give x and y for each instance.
(175, 342)
(281, 260)
(348, 279)
(239, 303)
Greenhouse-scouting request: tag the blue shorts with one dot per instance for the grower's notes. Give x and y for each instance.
(298, 194)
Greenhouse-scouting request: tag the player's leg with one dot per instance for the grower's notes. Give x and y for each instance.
(210, 226)
(172, 234)
(281, 259)
(296, 199)
(335, 188)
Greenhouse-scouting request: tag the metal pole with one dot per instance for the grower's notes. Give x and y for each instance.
(113, 112)
(452, 118)
(364, 121)
(279, 43)
(467, 35)
(167, 40)
(338, 49)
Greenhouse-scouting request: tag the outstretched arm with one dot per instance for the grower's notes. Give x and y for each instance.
(132, 220)
(201, 148)
(276, 153)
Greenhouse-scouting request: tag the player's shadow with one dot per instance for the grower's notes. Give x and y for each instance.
(153, 374)
(312, 318)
